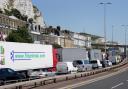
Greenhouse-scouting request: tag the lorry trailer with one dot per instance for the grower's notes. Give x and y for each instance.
(26, 57)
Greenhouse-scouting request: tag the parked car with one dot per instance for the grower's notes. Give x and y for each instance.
(82, 65)
(65, 67)
(109, 63)
(7, 74)
(96, 64)
(106, 63)
(115, 59)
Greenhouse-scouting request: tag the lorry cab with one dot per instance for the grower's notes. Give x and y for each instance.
(65, 67)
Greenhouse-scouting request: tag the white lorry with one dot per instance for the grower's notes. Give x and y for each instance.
(69, 56)
(23, 57)
(95, 57)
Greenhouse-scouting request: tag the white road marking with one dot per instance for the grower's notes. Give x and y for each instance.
(92, 80)
(117, 85)
(127, 80)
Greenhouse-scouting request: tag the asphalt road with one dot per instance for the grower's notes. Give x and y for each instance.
(113, 79)
(119, 81)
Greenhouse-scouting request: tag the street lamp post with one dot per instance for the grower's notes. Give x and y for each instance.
(105, 4)
(125, 29)
(112, 34)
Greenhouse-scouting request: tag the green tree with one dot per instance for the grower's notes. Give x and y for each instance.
(16, 13)
(56, 46)
(20, 35)
(24, 17)
(7, 12)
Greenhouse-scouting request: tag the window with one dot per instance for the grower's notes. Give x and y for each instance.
(86, 61)
(94, 61)
(77, 62)
(10, 71)
(2, 71)
(39, 28)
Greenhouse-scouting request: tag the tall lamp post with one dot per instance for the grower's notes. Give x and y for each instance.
(104, 5)
(112, 34)
(125, 28)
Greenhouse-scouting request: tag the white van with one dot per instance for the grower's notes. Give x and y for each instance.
(65, 67)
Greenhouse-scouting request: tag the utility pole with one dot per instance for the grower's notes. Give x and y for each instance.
(104, 5)
(112, 34)
(125, 49)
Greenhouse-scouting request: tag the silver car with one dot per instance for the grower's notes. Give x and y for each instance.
(82, 65)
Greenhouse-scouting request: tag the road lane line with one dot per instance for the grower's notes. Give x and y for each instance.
(117, 85)
(127, 80)
(92, 80)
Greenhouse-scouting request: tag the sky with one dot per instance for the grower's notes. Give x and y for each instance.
(87, 16)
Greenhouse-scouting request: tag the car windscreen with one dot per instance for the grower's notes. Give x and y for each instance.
(77, 62)
(10, 71)
(93, 61)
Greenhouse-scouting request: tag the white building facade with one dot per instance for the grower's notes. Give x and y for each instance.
(81, 40)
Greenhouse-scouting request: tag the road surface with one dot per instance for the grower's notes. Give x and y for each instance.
(113, 79)
(119, 81)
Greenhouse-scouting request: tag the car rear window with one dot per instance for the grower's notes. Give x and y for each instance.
(86, 61)
(78, 62)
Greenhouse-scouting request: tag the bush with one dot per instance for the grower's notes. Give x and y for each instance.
(20, 35)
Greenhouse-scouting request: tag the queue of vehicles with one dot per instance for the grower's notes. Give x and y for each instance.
(91, 60)
(23, 60)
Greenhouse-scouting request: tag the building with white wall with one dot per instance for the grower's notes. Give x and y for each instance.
(81, 40)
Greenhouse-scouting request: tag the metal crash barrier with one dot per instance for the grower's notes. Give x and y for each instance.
(55, 79)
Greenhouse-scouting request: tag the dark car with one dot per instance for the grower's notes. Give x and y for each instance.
(7, 74)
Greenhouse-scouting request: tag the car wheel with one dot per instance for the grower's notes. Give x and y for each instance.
(2, 82)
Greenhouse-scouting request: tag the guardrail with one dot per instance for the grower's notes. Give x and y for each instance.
(45, 81)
